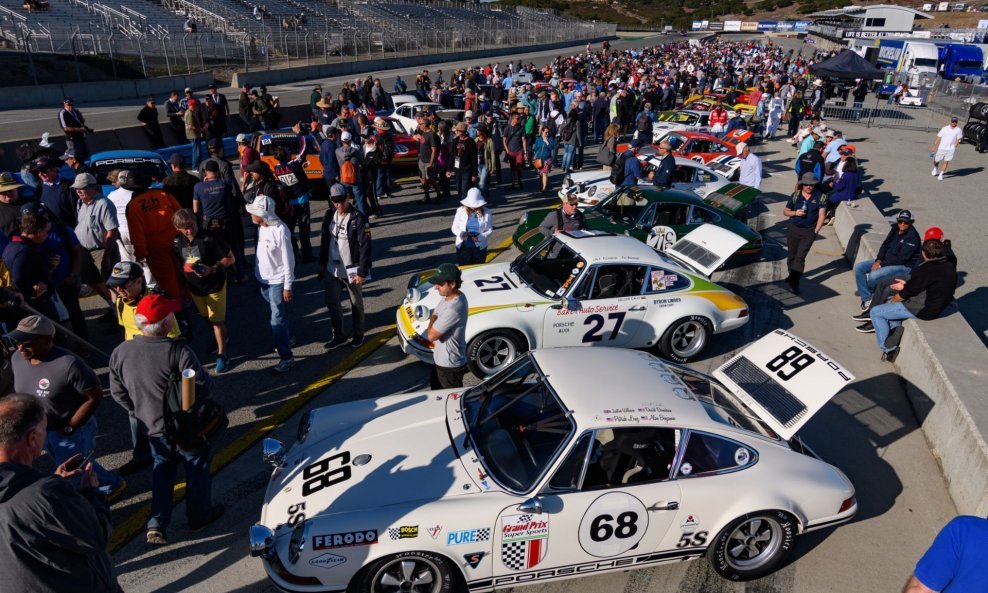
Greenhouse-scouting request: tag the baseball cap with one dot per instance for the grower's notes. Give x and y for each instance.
(7, 182)
(45, 162)
(818, 131)
(808, 179)
(176, 159)
(84, 180)
(155, 307)
(257, 167)
(572, 198)
(241, 138)
(123, 272)
(905, 215)
(741, 146)
(68, 100)
(214, 143)
(346, 136)
(337, 191)
(445, 273)
(193, 102)
(36, 208)
(32, 327)
(69, 154)
(934, 233)
(188, 90)
(953, 119)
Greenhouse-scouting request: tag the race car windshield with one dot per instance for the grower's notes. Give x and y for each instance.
(549, 268)
(625, 202)
(153, 169)
(516, 424)
(722, 405)
(290, 143)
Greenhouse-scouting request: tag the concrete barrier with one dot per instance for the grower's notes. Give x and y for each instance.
(23, 97)
(271, 77)
(944, 365)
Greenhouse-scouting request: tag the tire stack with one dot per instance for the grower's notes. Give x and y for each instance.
(976, 128)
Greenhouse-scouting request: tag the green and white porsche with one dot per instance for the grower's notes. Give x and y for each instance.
(587, 288)
(568, 462)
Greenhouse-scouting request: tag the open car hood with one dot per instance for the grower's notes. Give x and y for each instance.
(784, 380)
(707, 247)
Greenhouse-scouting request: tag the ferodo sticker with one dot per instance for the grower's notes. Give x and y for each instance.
(613, 524)
(344, 540)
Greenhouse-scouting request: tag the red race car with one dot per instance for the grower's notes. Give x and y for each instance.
(406, 148)
(700, 147)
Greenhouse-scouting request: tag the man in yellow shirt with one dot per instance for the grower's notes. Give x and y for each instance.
(127, 283)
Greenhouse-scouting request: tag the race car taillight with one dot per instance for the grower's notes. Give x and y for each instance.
(850, 502)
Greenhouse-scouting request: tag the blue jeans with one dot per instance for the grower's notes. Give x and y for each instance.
(887, 317)
(358, 197)
(383, 184)
(196, 152)
(198, 482)
(483, 176)
(866, 279)
(82, 440)
(568, 154)
(280, 328)
(139, 437)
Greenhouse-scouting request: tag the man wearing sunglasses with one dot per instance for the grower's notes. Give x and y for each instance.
(899, 253)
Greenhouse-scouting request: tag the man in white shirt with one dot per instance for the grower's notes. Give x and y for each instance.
(275, 274)
(120, 198)
(946, 141)
(751, 167)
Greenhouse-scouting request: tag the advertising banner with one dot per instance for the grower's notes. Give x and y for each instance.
(785, 26)
(749, 26)
(767, 26)
(697, 25)
(801, 26)
(732, 25)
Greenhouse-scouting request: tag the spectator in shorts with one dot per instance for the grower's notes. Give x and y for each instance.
(98, 234)
(205, 258)
(944, 145)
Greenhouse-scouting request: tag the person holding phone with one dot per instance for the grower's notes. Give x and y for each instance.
(344, 265)
(472, 225)
(57, 525)
(806, 216)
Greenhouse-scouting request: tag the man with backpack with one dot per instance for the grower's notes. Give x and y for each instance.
(349, 159)
(627, 169)
(385, 154)
(643, 124)
(143, 373)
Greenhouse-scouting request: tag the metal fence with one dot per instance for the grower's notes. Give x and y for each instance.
(229, 39)
(938, 100)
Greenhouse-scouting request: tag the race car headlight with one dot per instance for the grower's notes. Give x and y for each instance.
(273, 452)
(567, 182)
(304, 424)
(297, 542)
(422, 312)
(260, 541)
(591, 191)
(581, 187)
(413, 295)
(523, 219)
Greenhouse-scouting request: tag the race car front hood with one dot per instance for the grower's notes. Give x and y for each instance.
(369, 454)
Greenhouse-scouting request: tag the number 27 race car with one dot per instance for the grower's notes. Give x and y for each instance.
(545, 471)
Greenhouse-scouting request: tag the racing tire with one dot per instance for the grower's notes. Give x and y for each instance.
(686, 338)
(406, 572)
(752, 546)
(493, 350)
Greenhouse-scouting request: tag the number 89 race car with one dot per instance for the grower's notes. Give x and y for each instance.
(587, 288)
(566, 463)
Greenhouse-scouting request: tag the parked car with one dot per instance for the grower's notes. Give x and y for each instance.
(547, 471)
(148, 164)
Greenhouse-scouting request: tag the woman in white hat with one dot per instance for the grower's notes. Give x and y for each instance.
(472, 225)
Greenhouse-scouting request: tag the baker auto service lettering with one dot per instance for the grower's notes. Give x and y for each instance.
(585, 310)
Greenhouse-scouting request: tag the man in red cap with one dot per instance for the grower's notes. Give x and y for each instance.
(140, 372)
(193, 131)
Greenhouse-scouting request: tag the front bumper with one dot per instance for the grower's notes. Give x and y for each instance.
(405, 333)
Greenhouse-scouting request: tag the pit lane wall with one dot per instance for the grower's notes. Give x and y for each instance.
(285, 75)
(26, 97)
(943, 364)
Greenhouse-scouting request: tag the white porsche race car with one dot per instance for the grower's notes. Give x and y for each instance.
(592, 186)
(587, 288)
(569, 462)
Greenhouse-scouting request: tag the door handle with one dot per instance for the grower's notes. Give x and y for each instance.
(637, 308)
(669, 506)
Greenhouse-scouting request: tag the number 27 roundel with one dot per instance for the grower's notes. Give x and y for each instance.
(613, 524)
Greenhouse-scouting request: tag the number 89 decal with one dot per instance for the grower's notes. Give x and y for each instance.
(792, 356)
(613, 524)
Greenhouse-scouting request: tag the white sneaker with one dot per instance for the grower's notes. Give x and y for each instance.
(940, 177)
(934, 171)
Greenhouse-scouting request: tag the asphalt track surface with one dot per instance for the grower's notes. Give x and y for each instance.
(869, 430)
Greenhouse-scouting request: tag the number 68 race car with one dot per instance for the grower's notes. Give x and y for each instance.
(568, 462)
(587, 288)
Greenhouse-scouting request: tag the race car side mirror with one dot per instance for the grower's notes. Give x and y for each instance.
(532, 505)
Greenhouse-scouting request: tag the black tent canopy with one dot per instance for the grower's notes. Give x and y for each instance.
(847, 64)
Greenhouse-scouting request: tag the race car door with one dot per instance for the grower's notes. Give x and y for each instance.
(607, 507)
(605, 309)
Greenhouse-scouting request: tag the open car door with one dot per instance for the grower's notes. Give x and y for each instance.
(706, 248)
(784, 380)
